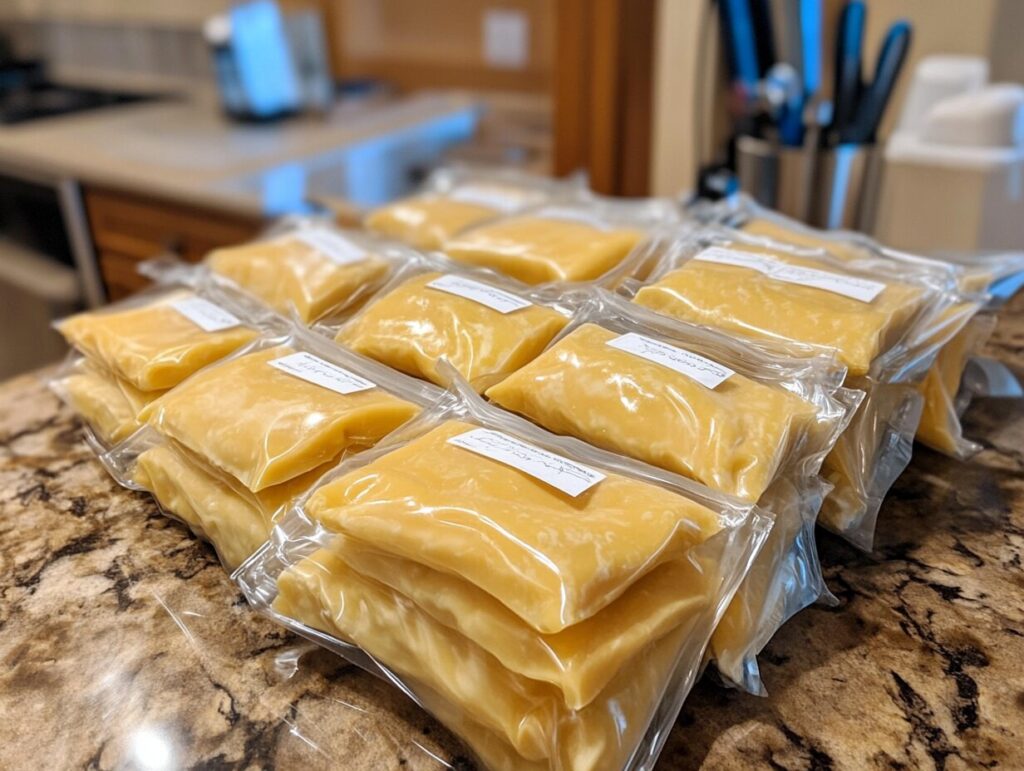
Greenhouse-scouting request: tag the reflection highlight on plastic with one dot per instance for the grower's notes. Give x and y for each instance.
(151, 750)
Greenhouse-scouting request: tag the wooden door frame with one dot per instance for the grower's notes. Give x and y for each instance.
(603, 92)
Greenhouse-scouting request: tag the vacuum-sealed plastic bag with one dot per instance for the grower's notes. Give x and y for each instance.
(749, 288)
(940, 426)
(483, 325)
(109, 405)
(784, 578)
(975, 275)
(284, 405)
(580, 660)
(639, 525)
(886, 324)
(308, 267)
(456, 198)
(741, 417)
(587, 240)
(214, 505)
(998, 273)
(547, 535)
(685, 398)
(157, 338)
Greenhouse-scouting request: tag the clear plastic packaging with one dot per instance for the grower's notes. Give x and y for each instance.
(940, 426)
(685, 398)
(482, 324)
(630, 381)
(214, 505)
(109, 405)
(887, 322)
(455, 198)
(998, 273)
(309, 268)
(784, 579)
(157, 338)
(759, 288)
(592, 240)
(513, 559)
(284, 405)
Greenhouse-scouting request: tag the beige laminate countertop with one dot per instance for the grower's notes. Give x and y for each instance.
(185, 149)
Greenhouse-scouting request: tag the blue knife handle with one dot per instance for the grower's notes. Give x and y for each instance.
(849, 45)
(810, 45)
(876, 96)
(739, 32)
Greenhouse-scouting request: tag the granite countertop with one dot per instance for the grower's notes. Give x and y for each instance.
(124, 645)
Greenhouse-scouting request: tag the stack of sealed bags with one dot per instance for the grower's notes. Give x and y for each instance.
(687, 398)
(128, 354)
(549, 602)
(959, 373)
(885, 320)
(235, 411)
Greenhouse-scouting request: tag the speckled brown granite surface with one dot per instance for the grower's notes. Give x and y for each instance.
(124, 645)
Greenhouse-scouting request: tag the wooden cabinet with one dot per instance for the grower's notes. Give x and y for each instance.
(127, 229)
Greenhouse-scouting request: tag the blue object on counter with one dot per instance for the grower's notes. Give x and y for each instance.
(263, 60)
(1008, 286)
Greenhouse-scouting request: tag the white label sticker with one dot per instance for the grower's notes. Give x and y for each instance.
(333, 246)
(315, 370)
(559, 472)
(503, 199)
(205, 314)
(708, 373)
(855, 288)
(492, 297)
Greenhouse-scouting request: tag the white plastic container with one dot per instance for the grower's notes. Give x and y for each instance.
(954, 175)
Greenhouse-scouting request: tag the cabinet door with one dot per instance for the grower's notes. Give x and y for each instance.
(128, 229)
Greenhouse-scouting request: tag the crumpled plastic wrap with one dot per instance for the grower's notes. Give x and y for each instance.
(482, 324)
(784, 579)
(543, 564)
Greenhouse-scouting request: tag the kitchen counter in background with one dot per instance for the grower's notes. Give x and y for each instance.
(124, 644)
(185, 150)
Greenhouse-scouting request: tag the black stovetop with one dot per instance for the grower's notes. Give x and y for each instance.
(26, 94)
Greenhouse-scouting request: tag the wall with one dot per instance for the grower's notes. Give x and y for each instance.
(414, 43)
(427, 43)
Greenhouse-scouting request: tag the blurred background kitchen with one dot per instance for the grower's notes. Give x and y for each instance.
(131, 129)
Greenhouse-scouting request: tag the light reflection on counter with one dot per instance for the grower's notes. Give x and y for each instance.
(365, 174)
(151, 749)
